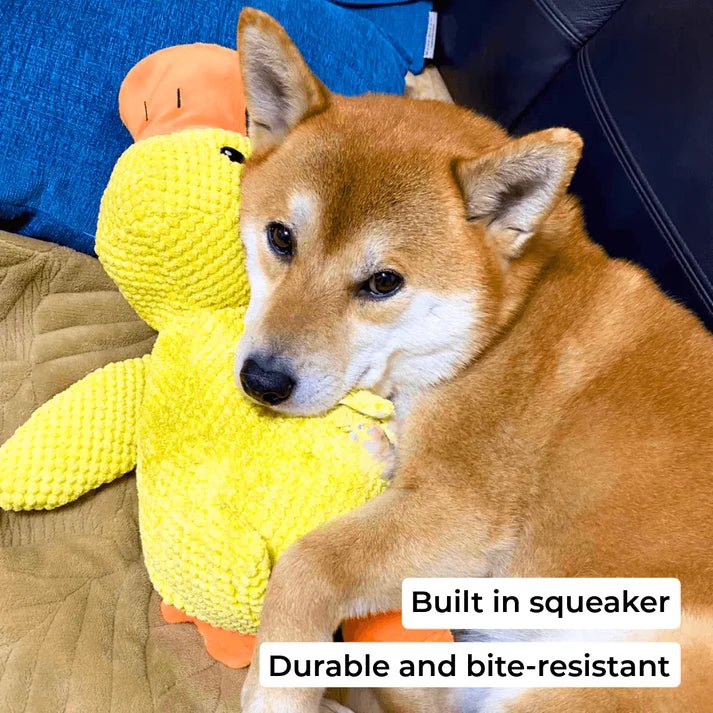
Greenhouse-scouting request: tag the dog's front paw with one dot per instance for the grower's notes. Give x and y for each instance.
(375, 441)
(256, 699)
(330, 706)
(251, 694)
(262, 700)
(282, 700)
(279, 703)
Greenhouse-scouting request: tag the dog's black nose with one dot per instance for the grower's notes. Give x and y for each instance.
(265, 385)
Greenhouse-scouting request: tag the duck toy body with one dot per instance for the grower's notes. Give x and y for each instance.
(224, 485)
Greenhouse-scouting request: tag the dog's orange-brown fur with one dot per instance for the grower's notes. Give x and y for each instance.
(572, 437)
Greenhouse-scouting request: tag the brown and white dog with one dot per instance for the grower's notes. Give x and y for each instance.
(554, 407)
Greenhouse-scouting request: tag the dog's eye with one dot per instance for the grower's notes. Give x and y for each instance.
(279, 238)
(232, 154)
(382, 284)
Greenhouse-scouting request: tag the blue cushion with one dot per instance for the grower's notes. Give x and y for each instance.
(404, 21)
(61, 65)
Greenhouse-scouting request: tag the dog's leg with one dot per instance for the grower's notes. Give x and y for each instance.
(354, 566)
(416, 700)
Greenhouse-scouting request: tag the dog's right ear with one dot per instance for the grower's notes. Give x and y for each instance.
(280, 88)
(513, 189)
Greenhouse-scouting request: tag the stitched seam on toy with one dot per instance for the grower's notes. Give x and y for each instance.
(648, 197)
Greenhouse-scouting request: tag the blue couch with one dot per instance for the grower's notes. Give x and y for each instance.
(61, 64)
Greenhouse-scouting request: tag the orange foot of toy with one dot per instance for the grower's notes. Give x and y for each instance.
(387, 627)
(231, 648)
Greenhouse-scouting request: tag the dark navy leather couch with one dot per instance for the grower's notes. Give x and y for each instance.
(635, 78)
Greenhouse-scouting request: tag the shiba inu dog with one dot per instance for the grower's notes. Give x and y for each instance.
(554, 407)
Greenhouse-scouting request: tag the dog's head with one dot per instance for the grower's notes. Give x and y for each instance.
(387, 239)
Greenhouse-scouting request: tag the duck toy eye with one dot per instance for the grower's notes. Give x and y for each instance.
(233, 154)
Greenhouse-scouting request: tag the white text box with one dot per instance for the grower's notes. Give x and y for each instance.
(541, 603)
(470, 665)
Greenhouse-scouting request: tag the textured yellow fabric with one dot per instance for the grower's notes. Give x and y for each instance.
(224, 485)
(72, 444)
(168, 232)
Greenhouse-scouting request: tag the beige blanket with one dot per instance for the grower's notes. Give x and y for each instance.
(80, 630)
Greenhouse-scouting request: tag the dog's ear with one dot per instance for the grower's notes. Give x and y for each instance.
(280, 88)
(513, 189)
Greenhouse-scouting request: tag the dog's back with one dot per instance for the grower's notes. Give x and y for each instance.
(594, 411)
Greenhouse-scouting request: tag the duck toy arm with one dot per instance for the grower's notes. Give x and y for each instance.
(78, 440)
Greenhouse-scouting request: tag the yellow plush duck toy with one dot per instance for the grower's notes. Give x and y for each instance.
(224, 485)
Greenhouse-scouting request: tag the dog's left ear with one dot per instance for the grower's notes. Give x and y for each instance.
(281, 90)
(513, 189)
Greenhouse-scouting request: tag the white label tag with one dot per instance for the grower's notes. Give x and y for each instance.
(430, 48)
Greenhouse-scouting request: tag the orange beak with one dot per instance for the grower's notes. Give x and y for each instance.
(183, 87)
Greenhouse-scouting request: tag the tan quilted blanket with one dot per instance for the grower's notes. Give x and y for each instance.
(80, 630)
